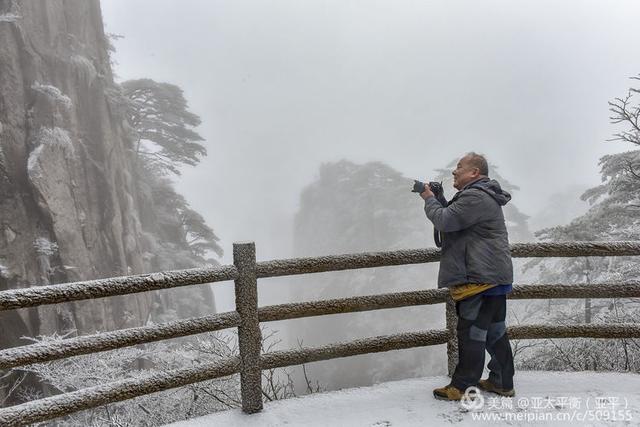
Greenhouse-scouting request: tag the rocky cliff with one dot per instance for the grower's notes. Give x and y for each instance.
(356, 208)
(67, 193)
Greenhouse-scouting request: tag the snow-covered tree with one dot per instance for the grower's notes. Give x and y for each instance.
(161, 408)
(614, 214)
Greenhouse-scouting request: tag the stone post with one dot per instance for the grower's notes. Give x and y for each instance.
(249, 335)
(452, 344)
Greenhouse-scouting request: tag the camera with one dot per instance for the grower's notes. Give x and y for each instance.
(438, 192)
(419, 187)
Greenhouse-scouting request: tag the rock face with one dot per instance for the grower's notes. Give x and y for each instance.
(358, 208)
(68, 207)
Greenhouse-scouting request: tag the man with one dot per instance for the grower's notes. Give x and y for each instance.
(476, 266)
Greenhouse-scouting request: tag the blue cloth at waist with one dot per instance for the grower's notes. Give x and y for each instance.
(498, 290)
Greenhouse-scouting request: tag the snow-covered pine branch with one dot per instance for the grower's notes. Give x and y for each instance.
(53, 93)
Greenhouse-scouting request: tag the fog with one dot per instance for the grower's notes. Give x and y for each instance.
(283, 86)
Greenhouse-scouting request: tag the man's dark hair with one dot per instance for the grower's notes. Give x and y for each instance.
(478, 161)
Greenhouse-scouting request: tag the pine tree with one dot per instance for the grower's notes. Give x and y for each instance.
(158, 112)
(176, 236)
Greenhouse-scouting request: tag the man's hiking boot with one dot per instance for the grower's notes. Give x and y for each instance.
(487, 385)
(448, 392)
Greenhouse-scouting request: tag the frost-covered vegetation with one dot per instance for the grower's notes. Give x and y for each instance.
(55, 137)
(53, 93)
(44, 246)
(84, 66)
(614, 214)
(136, 362)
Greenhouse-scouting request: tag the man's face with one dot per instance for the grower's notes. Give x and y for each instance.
(464, 174)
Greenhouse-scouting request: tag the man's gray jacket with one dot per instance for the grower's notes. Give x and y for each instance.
(475, 245)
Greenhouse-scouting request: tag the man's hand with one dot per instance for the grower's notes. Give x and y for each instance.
(427, 192)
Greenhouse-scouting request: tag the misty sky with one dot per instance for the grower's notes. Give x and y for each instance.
(282, 86)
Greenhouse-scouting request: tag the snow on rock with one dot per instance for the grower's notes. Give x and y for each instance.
(9, 234)
(56, 139)
(85, 67)
(44, 246)
(543, 398)
(4, 271)
(33, 162)
(53, 93)
(9, 17)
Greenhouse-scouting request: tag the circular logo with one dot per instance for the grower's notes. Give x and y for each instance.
(472, 400)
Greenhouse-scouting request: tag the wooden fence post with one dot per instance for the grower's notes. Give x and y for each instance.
(249, 335)
(452, 344)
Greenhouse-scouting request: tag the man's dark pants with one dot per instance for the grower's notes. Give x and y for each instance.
(481, 326)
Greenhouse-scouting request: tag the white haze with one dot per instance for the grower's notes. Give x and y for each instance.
(283, 86)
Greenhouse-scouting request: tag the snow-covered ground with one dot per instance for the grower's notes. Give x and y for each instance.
(542, 398)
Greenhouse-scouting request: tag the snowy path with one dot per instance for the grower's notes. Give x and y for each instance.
(545, 398)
